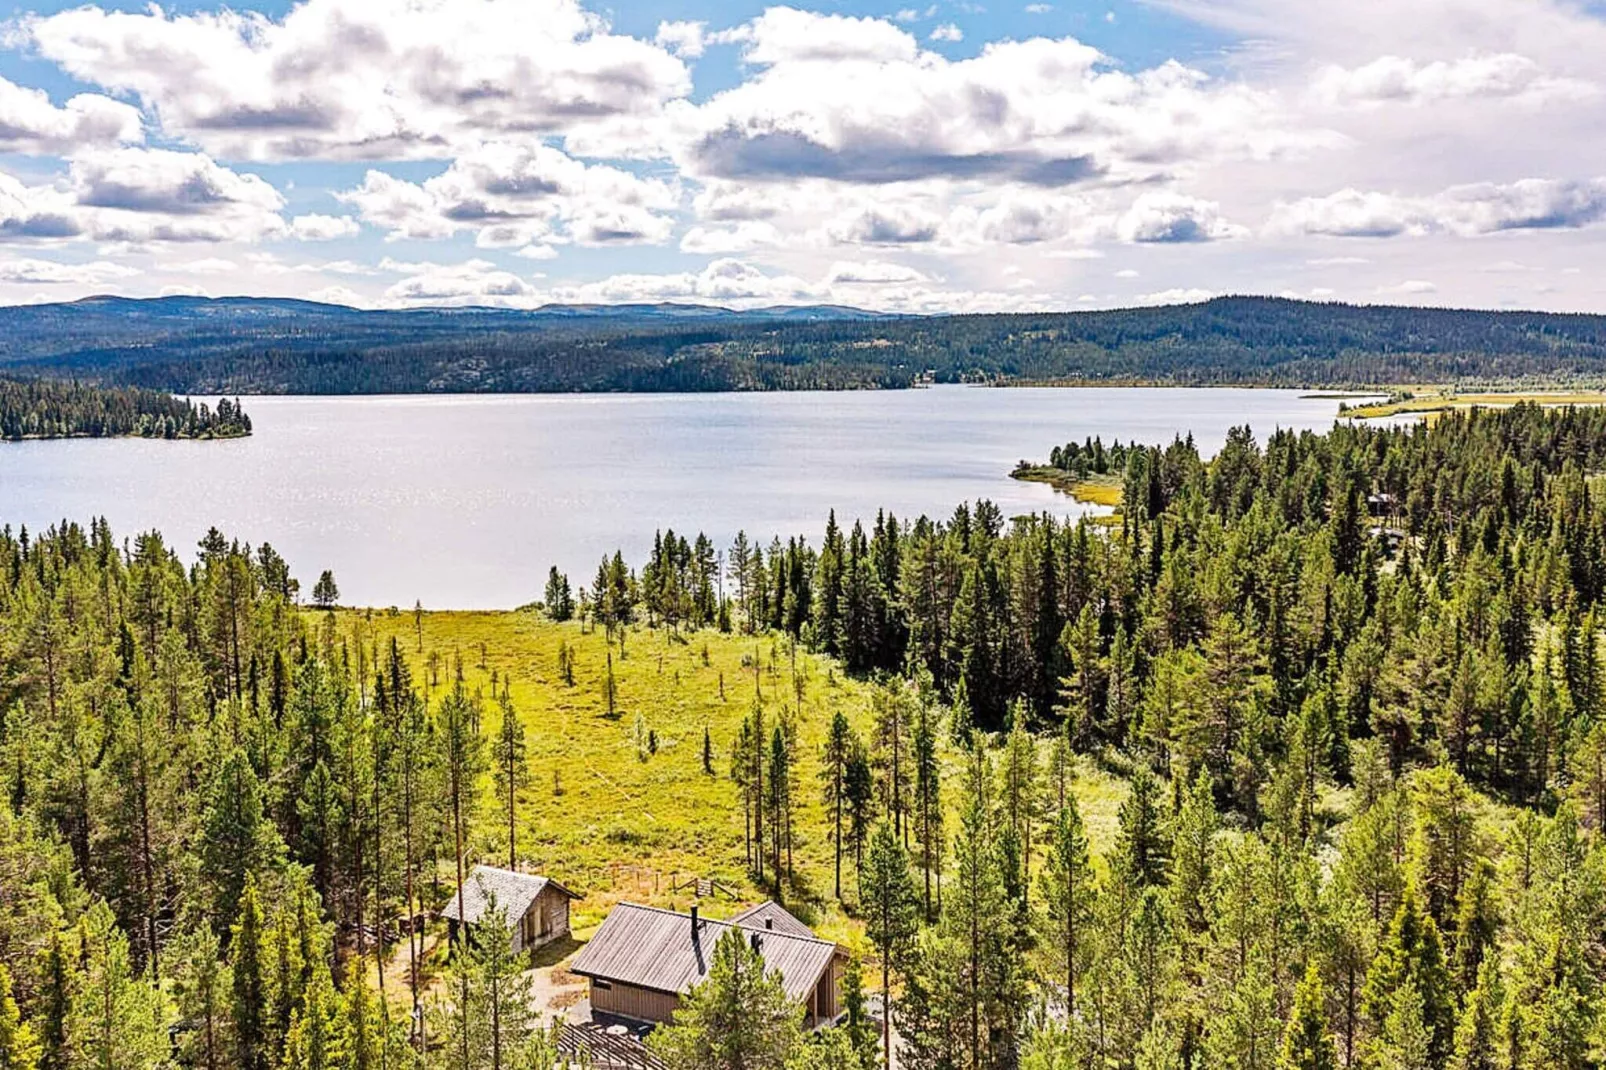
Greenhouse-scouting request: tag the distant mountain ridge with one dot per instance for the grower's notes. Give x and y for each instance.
(285, 345)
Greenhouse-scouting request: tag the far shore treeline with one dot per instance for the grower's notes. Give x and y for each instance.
(45, 408)
(1351, 685)
(234, 346)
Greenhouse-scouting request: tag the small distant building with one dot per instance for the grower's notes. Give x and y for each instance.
(536, 908)
(644, 960)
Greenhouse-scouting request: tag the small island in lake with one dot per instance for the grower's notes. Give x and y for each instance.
(1089, 471)
(45, 408)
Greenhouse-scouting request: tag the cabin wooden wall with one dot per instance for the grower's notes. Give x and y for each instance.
(628, 1001)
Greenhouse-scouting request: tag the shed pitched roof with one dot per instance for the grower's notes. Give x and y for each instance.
(513, 893)
(656, 949)
(771, 916)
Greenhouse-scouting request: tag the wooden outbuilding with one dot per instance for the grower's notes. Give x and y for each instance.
(535, 908)
(643, 960)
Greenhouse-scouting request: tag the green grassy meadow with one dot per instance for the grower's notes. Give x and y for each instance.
(615, 825)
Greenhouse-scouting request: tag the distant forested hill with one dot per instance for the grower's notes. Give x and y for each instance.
(246, 345)
(43, 408)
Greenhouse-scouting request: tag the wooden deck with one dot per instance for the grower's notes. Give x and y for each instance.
(604, 1050)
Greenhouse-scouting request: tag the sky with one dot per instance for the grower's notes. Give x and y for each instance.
(962, 155)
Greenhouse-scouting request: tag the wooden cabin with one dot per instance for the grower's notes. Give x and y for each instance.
(535, 908)
(644, 960)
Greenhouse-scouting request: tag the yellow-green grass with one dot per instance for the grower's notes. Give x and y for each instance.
(1090, 490)
(620, 828)
(1445, 399)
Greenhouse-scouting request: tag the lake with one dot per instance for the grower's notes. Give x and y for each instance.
(465, 501)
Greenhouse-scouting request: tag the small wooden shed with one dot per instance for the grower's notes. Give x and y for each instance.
(536, 908)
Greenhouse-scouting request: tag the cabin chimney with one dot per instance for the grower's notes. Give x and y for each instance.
(694, 921)
(769, 923)
(758, 944)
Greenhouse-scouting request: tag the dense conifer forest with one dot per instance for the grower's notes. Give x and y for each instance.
(44, 408)
(1352, 683)
(242, 345)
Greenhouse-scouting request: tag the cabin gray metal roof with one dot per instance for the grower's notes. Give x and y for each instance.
(512, 892)
(771, 916)
(656, 949)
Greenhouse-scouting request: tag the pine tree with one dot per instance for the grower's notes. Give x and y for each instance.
(59, 986)
(486, 1019)
(1081, 689)
(1477, 1035)
(738, 1018)
(833, 776)
(19, 1048)
(1192, 850)
(1412, 958)
(1141, 841)
(1068, 892)
(237, 839)
(325, 593)
(248, 965)
(1404, 1039)
(202, 988)
(1477, 926)
(119, 1019)
(928, 804)
(861, 1036)
(511, 766)
(313, 1042)
(858, 787)
(890, 906)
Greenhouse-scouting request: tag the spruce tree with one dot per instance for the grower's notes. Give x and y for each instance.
(1307, 1043)
(1412, 957)
(248, 1009)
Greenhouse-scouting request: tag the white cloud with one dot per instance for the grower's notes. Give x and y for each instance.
(514, 195)
(1174, 218)
(1393, 79)
(947, 32)
(741, 237)
(53, 272)
(1039, 9)
(364, 79)
(1410, 288)
(316, 227)
(337, 295)
(1181, 295)
(784, 35)
(145, 195)
(1480, 208)
(855, 101)
(472, 282)
(31, 124)
(683, 38)
(872, 272)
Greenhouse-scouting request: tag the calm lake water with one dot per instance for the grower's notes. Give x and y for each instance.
(464, 502)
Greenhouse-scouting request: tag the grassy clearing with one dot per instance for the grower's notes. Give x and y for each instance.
(615, 826)
(1092, 490)
(1435, 400)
